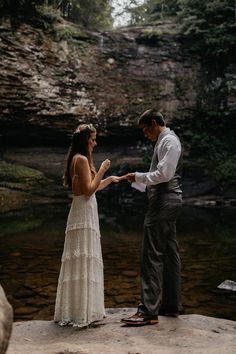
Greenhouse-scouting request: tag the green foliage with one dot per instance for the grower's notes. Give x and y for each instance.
(152, 11)
(150, 36)
(40, 38)
(209, 28)
(210, 142)
(90, 13)
(49, 14)
(42, 13)
(138, 14)
(160, 9)
(17, 174)
(68, 31)
(17, 11)
(225, 172)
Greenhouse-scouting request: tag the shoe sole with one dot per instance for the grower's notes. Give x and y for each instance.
(171, 314)
(137, 323)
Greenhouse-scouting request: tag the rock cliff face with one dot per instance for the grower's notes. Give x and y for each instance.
(48, 85)
(52, 80)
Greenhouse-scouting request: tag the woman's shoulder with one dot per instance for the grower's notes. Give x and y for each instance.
(79, 162)
(79, 158)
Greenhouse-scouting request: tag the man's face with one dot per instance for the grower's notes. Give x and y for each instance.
(150, 131)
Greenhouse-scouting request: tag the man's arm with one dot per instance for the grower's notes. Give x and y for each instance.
(169, 155)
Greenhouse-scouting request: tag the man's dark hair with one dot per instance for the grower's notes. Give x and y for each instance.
(149, 115)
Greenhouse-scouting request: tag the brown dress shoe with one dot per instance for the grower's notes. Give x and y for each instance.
(140, 319)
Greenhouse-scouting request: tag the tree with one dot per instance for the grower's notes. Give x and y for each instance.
(159, 9)
(209, 27)
(153, 10)
(88, 13)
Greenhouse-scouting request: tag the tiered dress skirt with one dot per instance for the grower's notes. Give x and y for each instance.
(80, 291)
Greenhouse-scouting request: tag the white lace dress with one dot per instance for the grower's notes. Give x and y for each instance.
(80, 291)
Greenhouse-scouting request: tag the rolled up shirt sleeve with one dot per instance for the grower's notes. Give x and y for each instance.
(169, 154)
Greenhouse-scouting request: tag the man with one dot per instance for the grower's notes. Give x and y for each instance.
(160, 260)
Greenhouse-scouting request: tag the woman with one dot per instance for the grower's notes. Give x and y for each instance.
(80, 291)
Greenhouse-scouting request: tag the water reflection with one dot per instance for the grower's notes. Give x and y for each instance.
(31, 243)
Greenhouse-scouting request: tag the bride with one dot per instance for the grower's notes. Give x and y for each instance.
(80, 291)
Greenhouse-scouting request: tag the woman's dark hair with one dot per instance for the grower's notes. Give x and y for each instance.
(79, 145)
(149, 115)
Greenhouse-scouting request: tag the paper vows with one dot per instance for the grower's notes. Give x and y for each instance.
(139, 186)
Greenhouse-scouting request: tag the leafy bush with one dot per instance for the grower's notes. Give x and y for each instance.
(210, 142)
(209, 28)
(44, 13)
(225, 172)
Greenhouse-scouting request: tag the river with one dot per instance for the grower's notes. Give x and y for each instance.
(31, 244)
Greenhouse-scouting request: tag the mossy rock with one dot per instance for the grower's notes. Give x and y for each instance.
(150, 38)
(20, 174)
(18, 183)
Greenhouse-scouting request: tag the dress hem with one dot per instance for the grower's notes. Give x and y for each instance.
(78, 324)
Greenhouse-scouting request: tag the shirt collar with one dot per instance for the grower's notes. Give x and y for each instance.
(162, 134)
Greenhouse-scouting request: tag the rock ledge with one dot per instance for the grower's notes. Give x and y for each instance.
(193, 334)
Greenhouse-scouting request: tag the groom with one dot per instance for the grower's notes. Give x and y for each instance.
(160, 260)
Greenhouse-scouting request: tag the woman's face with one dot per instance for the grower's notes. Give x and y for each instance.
(92, 142)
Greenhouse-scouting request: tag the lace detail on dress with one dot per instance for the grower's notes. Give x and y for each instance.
(81, 246)
(82, 323)
(80, 291)
(83, 214)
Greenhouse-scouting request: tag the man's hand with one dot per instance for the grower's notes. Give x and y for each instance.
(130, 177)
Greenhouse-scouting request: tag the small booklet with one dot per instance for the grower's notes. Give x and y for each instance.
(141, 187)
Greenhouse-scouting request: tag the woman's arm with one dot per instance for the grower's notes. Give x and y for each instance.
(89, 186)
(105, 182)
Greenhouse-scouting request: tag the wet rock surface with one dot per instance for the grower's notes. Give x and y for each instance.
(109, 78)
(49, 84)
(43, 167)
(188, 333)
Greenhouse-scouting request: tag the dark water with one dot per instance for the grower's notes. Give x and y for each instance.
(31, 243)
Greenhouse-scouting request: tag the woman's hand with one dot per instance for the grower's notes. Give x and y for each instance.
(105, 165)
(115, 179)
(130, 177)
(111, 179)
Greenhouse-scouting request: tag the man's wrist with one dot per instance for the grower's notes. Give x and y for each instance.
(140, 177)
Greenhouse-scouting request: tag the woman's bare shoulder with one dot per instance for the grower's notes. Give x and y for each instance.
(80, 158)
(79, 163)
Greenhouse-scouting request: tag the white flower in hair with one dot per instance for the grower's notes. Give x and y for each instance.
(82, 127)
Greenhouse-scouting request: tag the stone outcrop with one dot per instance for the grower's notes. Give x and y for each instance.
(51, 81)
(6, 320)
(187, 334)
(49, 85)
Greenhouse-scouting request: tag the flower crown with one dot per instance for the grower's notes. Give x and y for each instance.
(82, 127)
